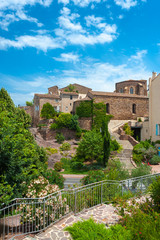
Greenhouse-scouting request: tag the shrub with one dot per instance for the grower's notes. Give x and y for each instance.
(58, 166)
(6, 192)
(90, 147)
(66, 163)
(154, 160)
(77, 165)
(89, 230)
(139, 120)
(54, 177)
(41, 125)
(48, 111)
(143, 151)
(65, 146)
(93, 176)
(54, 126)
(142, 225)
(63, 120)
(115, 146)
(142, 169)
(127, 129)
(116, 171)
(51, 150)
(60, 138)
(155, 192)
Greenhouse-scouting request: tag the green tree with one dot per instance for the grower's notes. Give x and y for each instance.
(90, 147)
(29, 103)
(106, 140)
(48, 111)
(6, 100)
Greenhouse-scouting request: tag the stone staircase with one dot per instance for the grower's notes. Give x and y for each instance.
(125, 155)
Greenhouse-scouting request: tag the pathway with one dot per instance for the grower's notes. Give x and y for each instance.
(72, 179)
(106, 214)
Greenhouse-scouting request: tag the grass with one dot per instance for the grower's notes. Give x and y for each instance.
(70, 171)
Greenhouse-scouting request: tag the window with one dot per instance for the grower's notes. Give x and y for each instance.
(157, 129)
(134, 108)
(36, 108)
(70, 104)
(57, 100)
(71, 97)
(107, 108)
(121, 90)
(131, 90)
(66, 108)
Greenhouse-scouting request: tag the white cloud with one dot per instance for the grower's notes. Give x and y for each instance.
(126, 4)
(67, 57)
(65, 2)
(121, 16)
(40, 42)
(72, 31)
(17, 12)
(138, 57)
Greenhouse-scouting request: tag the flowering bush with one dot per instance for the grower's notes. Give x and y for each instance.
(44, 210)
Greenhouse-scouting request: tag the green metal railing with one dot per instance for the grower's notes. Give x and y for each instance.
(31, 215)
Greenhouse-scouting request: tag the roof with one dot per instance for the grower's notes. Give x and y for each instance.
(53, 96)
(80, 88)
(115, 94)
(69, 93)
(83, 99)
(131, 80)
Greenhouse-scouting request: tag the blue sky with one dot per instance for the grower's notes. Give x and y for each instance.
(95, 43)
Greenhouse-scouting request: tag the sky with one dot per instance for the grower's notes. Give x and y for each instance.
(95, 43)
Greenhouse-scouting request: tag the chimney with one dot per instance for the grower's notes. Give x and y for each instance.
(154, 74)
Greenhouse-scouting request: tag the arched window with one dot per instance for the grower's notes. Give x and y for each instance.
(134, 108)
(131, 90)
(107, 108)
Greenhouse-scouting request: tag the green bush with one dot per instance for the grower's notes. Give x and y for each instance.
(6, 192)
(65, 146)
(51, 151)
(142, 226)
(154, 160)
(155, 192)
(66, 163)
(58, 166)
(48, 111)
(54, 126)
(143, 151)
(54, 177)
(115, 146)
(141, 170)
(89, 230)
(77, 165)
(41, 125)
(127, 129)
(90, 147)
(93, 176)
(60, 138)
(116, 171)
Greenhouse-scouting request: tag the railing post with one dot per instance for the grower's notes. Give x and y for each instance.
(75, 201)
(101, 192)
(44, 213)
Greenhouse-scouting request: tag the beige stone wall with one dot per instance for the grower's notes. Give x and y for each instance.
(145, 131)
(139, 87)
(38, 104)
(85, 123)
(67, 103)
(29, 110)
(121, 107)
(154, 107)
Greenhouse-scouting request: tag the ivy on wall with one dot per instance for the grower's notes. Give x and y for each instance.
(96, 111)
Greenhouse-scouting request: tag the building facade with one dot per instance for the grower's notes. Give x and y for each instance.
(129, 101)
(154, 107)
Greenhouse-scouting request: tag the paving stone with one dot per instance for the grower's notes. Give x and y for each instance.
(53, 235)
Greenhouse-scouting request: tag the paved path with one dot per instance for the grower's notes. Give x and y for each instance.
(72, 179)
(102, 214)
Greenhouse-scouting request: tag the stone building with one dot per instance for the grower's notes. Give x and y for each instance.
(129, 101)
(61, 99)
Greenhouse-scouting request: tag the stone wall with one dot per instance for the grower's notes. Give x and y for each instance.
(139, 87)
(29, 110)
(121, 107)
(85, 123)
(49, 134)
(124, 136)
